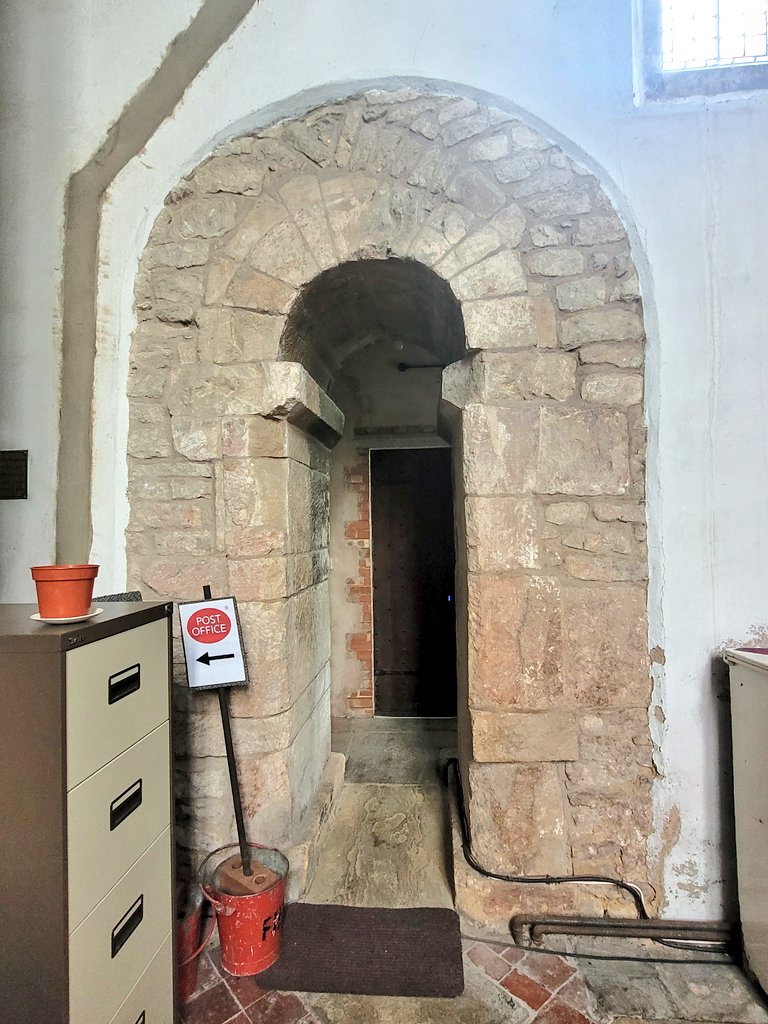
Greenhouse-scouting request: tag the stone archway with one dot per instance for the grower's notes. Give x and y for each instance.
(228, 454)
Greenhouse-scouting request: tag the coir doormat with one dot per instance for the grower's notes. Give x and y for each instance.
(368, 951)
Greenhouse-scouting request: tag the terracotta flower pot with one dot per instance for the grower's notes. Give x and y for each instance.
(64, 591)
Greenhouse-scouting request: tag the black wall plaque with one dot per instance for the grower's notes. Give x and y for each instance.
(13, 474)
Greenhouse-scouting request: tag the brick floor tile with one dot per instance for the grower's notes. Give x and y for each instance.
(550, 971)
(277, 1008)
(513, 954)
(213, 1006)
(558, 1012)
(214, 955)
(207, 975)
(490, 961)
(531, 992)
(245, 990)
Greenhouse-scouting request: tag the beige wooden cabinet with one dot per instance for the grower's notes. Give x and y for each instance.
(85, 818)
(749, 729)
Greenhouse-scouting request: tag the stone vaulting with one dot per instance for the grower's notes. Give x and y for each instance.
(231, 431)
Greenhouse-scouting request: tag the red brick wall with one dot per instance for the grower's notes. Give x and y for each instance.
(357, 533)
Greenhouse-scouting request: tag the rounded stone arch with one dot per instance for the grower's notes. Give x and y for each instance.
(231, 425)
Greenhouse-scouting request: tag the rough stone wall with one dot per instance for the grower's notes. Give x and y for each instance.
(548, 430)
(244, 508)
(560, 765)
(352, 609)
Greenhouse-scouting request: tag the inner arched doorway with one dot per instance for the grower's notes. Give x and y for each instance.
(378, 334)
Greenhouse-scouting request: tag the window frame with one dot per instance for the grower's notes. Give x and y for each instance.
(659, 85)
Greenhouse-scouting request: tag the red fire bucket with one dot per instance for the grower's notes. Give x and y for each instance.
(188, 945)
(249, 926)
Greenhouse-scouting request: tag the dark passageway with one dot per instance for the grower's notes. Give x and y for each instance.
(414, 653)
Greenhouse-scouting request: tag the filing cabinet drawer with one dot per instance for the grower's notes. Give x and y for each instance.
(113, 817)
(112, 947)
(151, 999)
(117, 692)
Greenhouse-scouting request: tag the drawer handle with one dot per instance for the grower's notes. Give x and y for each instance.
(124, 683)
(127, 925)
(124, 805)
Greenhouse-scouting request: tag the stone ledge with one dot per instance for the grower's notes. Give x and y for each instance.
(276, 390)
(305, 404)
(304, 853)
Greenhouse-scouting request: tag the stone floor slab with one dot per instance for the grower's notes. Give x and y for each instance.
(628, 988)
(386, 849)
(402, 751)
(722, 993)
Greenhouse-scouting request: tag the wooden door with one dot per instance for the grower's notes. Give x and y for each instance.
(414, 646)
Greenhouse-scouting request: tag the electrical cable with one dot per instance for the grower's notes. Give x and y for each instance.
(630, 887)
(612, 957)
(698, 946)
(634, 890)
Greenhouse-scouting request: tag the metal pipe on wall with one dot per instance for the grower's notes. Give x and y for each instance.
(712, 933)
(538, 925)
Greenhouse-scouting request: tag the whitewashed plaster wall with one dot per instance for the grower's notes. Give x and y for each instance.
(67, 68)
(685, 177)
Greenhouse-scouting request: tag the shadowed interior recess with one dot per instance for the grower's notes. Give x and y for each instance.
(343, 308)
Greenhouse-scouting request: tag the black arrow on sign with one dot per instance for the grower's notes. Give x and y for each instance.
(208, 658)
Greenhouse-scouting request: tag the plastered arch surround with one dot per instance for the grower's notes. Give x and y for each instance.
(229, 449)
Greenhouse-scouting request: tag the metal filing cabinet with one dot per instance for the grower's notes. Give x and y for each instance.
(749, 726)
(85, 818)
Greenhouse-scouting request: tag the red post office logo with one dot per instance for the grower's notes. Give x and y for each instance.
(209, 625)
